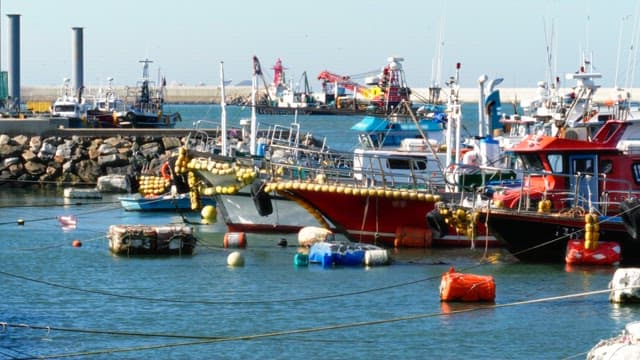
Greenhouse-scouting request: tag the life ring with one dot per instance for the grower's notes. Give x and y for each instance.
(630, 209)
(261, 199)
(436, 223)
(165, 171)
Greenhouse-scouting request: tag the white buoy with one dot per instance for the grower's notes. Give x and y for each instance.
(625, 285)
(310, 235)
(376, 257)
(235, 259)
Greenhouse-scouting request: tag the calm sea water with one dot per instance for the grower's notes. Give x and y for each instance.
(60, 300)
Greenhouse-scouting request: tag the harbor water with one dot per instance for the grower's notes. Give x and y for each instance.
(64, 301)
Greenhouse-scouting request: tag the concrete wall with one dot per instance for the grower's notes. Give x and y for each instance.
(211, 94)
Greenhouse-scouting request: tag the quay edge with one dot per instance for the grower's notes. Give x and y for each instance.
(211, 94)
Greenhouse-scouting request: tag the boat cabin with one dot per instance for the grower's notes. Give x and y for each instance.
(590, 174)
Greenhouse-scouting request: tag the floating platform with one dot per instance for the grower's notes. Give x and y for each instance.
(151, 240)
(82, 193)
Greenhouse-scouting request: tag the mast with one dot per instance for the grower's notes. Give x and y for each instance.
(482, 126)
(223, 113)
(257, 70)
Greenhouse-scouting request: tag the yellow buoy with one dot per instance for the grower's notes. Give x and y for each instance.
(209, 214)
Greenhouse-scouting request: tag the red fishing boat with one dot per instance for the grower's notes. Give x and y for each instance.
(580, 187)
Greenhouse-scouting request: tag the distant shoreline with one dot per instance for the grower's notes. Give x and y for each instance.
(211, 94)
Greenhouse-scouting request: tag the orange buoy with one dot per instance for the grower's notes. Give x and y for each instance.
(606, 253)
(467, 287)
(413, 237)
(76, 243)
(235, 240)
(164, 171)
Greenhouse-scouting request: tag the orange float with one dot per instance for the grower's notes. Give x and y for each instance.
(466, 287)
(607, 253)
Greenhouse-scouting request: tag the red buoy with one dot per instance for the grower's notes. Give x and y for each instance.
(76, 243)
(607, 253)
(235, 240)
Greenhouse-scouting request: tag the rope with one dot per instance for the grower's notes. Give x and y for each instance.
(209, 302)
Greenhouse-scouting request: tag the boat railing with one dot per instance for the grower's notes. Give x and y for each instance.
(568, 193)
(303, 164)
(199, 140)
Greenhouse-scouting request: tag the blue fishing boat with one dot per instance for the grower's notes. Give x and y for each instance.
(168, 202)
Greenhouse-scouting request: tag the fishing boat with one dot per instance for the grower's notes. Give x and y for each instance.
(167, 202)
(71, 106)
(377, 194)
(106, 103)
(383, 195)
(581, 184)
(147, 108)
(280, 96)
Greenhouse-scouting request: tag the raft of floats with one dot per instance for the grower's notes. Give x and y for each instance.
(151, 240)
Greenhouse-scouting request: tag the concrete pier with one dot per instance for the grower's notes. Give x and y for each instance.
(211, 94)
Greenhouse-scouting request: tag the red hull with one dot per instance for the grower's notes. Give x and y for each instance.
(376, 219)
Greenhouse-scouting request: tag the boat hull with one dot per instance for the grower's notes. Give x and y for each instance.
(543, 238)
(379, 219)
(240, 214)
(162, 203)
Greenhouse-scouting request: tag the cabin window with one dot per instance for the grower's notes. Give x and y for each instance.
(606, 166)
(636, 172)
(65, 108)
(555, 161)
(583, 165)
(406, 164)
(531, 162)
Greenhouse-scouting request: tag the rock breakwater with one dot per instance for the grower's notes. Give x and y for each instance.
(28, 161)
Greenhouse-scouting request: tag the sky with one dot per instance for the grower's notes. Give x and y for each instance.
(187, 39)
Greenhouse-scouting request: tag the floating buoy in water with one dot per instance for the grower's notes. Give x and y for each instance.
(466, 287)
(76, 243)
(235, 259)
(606, 253)
(300, 259)
(376, 257)
(625, 286)
(309, 235)
(283, 242)
(209, 214)
(235, 240)
(20, 221)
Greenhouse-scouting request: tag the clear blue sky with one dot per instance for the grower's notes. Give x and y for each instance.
(187, 39)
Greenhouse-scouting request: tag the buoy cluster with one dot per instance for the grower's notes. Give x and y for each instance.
(591, 231)
(460, 219)
(355, 190)
(153, 185)
(233, 175)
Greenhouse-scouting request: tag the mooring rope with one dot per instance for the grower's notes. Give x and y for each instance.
(219, 339)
